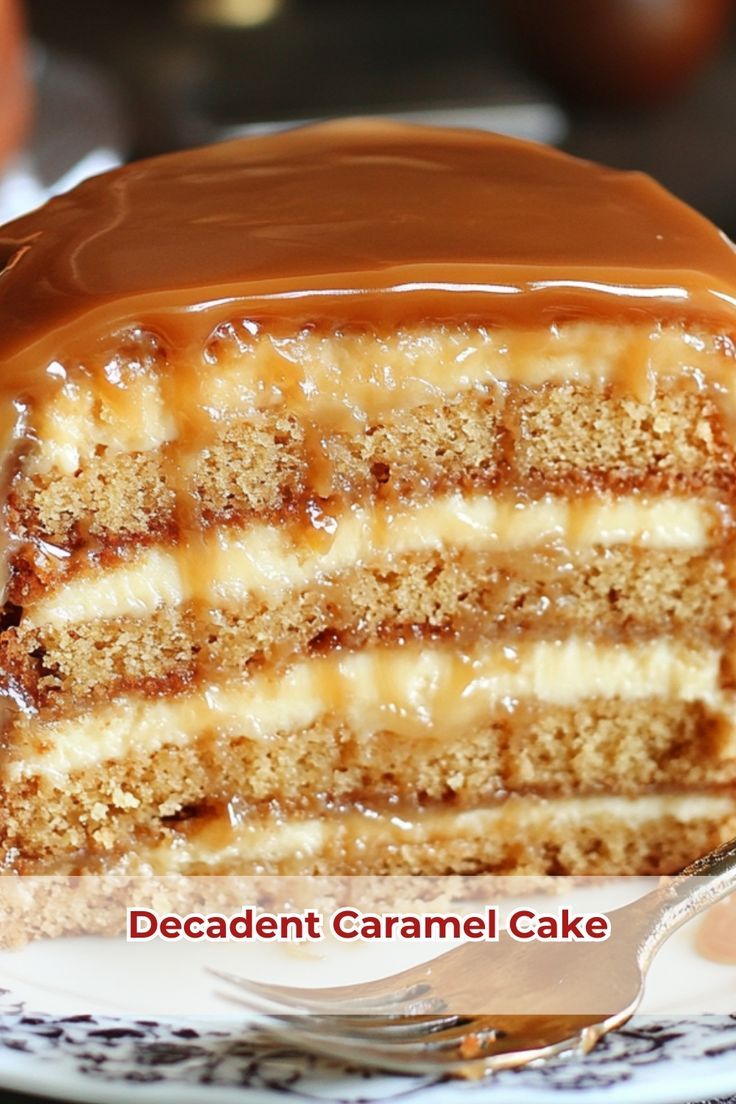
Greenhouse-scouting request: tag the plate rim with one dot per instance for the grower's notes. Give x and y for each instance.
(697, 1072)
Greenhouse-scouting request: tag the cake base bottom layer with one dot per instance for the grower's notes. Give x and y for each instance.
(207, 861)
(596, 835)
(596, 747)
(650, 834)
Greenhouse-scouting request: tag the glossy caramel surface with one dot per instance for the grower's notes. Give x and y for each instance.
(351, 222)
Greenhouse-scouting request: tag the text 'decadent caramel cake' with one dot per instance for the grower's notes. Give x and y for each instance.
(369, 507)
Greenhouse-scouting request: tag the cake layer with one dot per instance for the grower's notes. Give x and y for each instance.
(352, 379)
(588, 836)
(596, 746)
(367, 414)
(414, 691)
(656, 834)
(652, 834)
(225, 567)
(608, 594)
(441, 348)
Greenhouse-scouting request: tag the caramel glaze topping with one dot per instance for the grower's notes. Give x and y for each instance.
(357, 222)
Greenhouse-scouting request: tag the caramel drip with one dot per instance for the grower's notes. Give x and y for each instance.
(282, 380)
(182, 393)
(637, 377)
(578, 519)
(11, 425)
(12, 418)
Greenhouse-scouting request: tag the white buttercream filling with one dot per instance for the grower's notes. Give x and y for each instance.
(416, 691)
(225, 567)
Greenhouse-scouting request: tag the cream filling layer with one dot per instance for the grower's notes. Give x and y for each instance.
(416, 691)
(345, 381)
(516, 817)
(224, 568)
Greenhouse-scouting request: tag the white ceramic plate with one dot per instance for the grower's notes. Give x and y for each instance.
(88, 1045)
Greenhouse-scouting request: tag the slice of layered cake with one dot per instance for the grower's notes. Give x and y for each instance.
(369, 507)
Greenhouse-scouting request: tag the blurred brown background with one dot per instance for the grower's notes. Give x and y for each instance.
(649, 84)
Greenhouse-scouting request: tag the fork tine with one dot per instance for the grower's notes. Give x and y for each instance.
(401, 1027)
(438, 1034)
(439, 1037)
(498, 1054)
(336, 998)
(394, 1025)
(486, 1032)
(417, 1038)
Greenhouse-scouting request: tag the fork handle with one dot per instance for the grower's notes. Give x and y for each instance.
(705, 881)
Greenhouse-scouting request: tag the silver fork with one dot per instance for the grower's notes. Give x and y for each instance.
(404, 1022)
